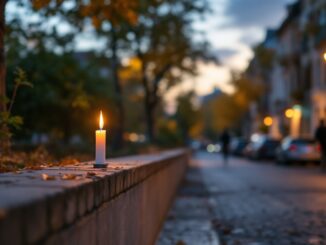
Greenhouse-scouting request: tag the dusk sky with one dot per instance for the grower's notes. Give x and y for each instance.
(232, 29)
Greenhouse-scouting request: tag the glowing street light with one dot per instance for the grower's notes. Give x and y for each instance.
(324, 56)
(296, 121)
(289, 113)
(268, 121)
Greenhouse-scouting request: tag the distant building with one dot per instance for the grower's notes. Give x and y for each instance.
(262, 70)
(209, 97)
(206, 102)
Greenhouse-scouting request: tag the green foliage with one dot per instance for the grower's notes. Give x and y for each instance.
(7, 120)
(64, 97)
(265, 57)
(15, 121)
(168, 134)
(187, 116)
(21, 78)
(19, 81)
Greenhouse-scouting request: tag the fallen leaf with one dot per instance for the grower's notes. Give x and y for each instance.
(35, 168)
(47, 177)
(90, 174)
(68, 177)
(68, 161)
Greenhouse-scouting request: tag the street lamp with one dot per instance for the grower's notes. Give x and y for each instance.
(296, 121)
(268, 121)
(324, 56)
(289, 113)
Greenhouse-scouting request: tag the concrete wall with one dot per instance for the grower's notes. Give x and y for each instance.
(124, 204)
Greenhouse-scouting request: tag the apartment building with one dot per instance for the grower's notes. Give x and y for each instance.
(296, 76)
(313, 64)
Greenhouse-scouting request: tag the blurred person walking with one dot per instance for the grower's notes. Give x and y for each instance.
(320, 136)
(225, 140)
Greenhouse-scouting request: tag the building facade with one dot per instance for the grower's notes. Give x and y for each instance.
(296, 78)
(313, 64)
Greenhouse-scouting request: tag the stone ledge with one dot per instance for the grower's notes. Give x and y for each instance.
(31, 209)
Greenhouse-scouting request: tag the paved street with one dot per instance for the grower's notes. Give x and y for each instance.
(256, 203)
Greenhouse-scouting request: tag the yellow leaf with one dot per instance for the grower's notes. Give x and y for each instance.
(68, 177)
(47, 177)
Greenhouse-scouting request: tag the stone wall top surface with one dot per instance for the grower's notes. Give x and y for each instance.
(27, 186)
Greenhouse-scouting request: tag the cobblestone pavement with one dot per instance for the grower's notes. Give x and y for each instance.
(248, 203)
(190, 219)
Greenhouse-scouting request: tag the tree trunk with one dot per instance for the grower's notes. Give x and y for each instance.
(2, 57)
(4, 130)
(149, 108)
(151, 98)
(150, 121)
(119, 129)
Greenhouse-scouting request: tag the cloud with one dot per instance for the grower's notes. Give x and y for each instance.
(251, 36)
(254, 13)
(249, 39)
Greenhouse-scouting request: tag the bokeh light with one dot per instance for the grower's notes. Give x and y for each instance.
(289, 113)
(268, 121)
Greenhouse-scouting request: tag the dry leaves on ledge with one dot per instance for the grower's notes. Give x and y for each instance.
(68, 176)
(90, 174)
(47, 177)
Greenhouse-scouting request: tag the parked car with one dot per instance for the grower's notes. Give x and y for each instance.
(263, 147)
(195, 145)
(298, 150)
(237, 146)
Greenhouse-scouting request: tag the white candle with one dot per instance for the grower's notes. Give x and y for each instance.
(100, 137)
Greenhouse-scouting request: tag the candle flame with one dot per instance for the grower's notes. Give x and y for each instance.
(101, 122)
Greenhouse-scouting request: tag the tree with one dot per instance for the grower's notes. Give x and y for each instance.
(133, 96)
(68, 84)
(96, 11)
(2, 56)
(102, 14)
(6, 105)
(187, 116)
(115, 36)
(164, 43)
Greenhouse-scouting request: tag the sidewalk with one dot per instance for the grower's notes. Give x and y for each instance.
(190, 219)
